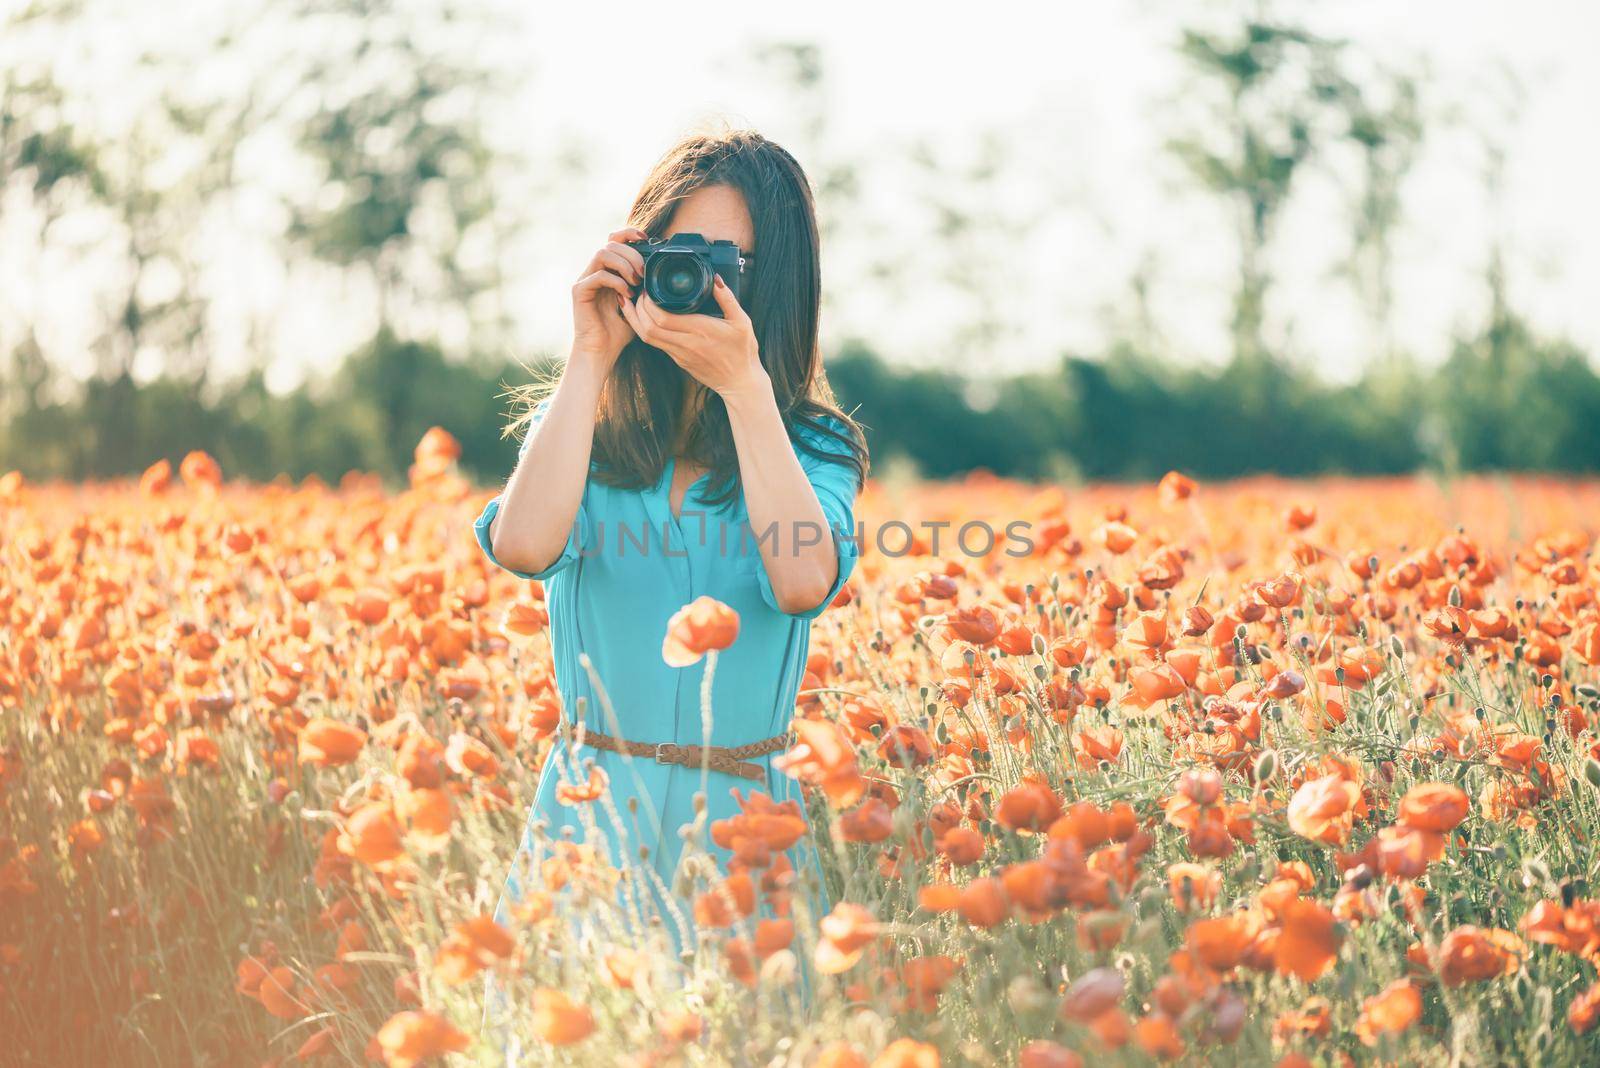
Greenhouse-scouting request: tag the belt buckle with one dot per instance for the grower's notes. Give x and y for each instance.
(661, 751)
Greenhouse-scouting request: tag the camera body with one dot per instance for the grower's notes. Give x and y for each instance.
(678, 272)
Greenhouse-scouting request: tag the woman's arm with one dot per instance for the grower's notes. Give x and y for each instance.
(540, 502)
(802, 561)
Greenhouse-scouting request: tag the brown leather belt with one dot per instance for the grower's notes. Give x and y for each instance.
(717, 757)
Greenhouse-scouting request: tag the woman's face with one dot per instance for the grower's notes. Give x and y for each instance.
(717, 213)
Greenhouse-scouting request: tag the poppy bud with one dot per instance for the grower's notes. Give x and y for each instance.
(1591, 771)
(1397, 647)
(1203, 786)
(1266, 766)
(1025, 994)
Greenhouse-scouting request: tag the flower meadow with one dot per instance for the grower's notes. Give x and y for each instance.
(1294, 773)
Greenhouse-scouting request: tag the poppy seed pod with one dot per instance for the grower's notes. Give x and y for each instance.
(1591, 771)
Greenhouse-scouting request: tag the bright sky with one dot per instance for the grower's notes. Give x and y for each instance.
(1094, 84)
(1086, 95)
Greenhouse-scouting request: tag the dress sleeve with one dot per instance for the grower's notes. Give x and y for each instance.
(569, 552)
(833, 480)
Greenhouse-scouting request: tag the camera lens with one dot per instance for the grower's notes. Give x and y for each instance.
(679, 281)
(676, 280)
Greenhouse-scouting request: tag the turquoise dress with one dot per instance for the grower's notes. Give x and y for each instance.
(628, 565)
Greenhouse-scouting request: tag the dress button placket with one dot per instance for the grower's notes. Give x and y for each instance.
(674, 546)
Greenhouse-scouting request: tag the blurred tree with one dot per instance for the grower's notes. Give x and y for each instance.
(151, 176)
(1273, 89)
(1508, 397)
(1386, 128)
(1385, 124)
(800, 70)
(46, 169)
(405, 192)
(382, 98)
(1513, 400)
(797, 72)
(394, 129)
(156, 308)
(925, 417)
(39, 148)
(973, 251)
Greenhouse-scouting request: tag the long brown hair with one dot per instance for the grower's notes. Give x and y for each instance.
(642, 401)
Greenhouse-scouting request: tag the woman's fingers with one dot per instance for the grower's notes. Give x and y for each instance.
(632, 256)
(590, 285)
(615, 262)
(643, 328)
(630, 314)
(618, 243)
(661, 322)
(627, 233)
(731, 310)
(617, 256)
(643, 322)
(649, 322)
(630, 270)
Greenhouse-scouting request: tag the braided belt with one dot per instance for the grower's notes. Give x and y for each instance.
(717, 757)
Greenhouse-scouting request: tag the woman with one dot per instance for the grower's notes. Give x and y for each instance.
(669, 440)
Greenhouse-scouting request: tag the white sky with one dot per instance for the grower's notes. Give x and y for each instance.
(1087, 93)
(1093, 82)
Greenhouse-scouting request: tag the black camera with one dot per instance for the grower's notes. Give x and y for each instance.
(678, 272)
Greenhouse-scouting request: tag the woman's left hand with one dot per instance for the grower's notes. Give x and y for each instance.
(721, 354)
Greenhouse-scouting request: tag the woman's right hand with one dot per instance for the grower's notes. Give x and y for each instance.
(599, 332)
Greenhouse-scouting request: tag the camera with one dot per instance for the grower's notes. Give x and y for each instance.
(678, 272)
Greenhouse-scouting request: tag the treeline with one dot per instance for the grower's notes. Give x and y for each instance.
(1504, 400)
